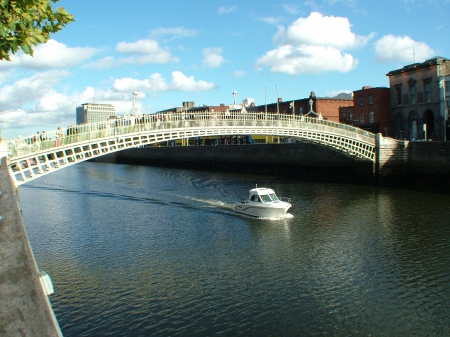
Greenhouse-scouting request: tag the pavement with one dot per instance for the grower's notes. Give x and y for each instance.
(24, 308)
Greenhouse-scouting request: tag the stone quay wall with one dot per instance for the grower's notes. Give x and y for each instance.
(25, 310)
(302, 161)
(416, 165)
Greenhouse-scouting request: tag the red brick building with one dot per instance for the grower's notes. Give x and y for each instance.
(327, 107)
(370, 110)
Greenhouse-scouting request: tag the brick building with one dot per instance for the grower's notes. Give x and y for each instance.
(370, 110)
(327, 107)
(418, 101)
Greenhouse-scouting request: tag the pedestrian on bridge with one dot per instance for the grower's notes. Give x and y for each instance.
(59, 137)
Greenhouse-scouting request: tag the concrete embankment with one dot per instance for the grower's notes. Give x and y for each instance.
(419, 165)
(24, 308)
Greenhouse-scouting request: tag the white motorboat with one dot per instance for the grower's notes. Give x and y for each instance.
(263, 203)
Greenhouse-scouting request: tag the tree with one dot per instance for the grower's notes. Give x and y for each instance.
(26, 23)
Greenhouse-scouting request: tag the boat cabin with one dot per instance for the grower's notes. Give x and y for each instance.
(262, 195)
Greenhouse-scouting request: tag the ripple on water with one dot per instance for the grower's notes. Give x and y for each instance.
(135, 251)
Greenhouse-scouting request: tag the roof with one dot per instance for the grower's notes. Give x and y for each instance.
(416, 66)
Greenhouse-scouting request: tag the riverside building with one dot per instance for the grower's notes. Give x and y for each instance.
(369, 111)
(93, 112)
(419, 107)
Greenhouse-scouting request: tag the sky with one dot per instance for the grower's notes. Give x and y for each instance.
(173, 51)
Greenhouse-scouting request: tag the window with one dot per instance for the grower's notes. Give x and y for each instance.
(370, 99)
(361, 100)
(412, 93)
(447, 86)
(361, 118)
(398, 91)
(301, 111)
(427, 91)
(350, 116)
(371, 117)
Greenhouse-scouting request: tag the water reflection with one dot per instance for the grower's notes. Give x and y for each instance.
(149, 251)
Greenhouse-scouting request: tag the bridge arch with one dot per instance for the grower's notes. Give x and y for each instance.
(30, 158)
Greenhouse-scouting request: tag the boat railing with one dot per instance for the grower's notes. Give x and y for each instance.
(285, 199)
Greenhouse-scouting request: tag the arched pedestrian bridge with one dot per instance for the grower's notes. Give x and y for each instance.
(34, 156)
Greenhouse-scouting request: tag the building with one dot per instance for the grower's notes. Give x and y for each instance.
(419, 108)
(190, 108)
(370, 110)
(326, 107)
(93, 112)
(222, 108)
(447, 99)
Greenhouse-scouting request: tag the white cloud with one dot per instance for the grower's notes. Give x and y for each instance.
(46, 109)
(306, 59)
(143, 47)
(183, 83)
(313, 45)
(239, 73)
(144, 52)
(33, 104)
(272, 20)
(392, 48)
(175, 32)
(349, 3)
(226, 9)
(156, 83)
(29, 89)
(291, 9)
(212, 57)
(104, 63)
(51, 55)
(318, 30)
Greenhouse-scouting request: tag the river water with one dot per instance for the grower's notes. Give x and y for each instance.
(145, 251)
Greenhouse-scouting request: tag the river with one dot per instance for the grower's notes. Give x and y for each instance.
(147, 251)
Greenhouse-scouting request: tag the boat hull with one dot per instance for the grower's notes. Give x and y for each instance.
(272, 210)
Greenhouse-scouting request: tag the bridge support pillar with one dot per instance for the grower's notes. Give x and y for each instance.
(391, 158)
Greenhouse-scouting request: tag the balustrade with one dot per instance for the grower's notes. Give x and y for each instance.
(39, 154)
(23, 146)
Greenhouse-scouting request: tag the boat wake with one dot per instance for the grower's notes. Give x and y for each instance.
(218, 204)
(284, 217)
(211, 203)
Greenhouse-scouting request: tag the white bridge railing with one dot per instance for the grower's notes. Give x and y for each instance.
(32, 156)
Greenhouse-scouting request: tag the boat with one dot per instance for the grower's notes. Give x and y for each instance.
(263, 203)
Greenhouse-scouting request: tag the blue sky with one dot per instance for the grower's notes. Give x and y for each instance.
(173, 51)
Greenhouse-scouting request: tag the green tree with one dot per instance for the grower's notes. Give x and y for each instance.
(26, 23)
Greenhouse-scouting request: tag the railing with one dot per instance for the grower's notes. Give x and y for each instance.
(24, 146)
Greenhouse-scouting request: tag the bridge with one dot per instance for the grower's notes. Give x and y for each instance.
(31, 157)
(37, 155)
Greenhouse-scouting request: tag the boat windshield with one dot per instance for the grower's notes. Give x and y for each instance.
(265, 198)
(273, 197)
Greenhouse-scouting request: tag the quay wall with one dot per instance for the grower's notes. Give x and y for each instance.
(25, 310)
(303, 161)
(414, 165)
